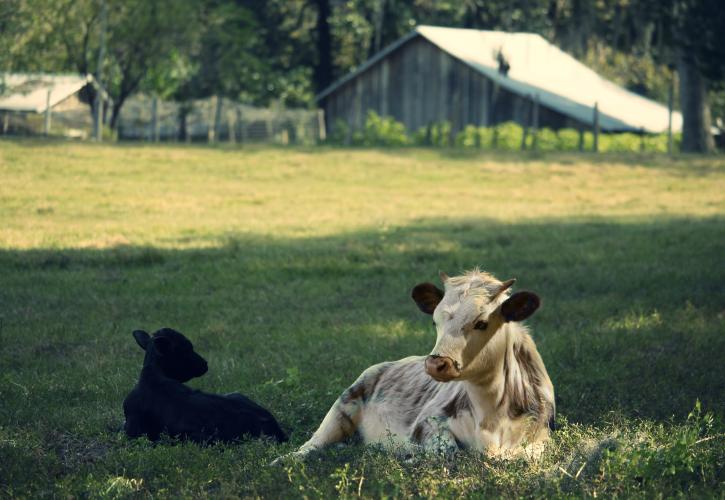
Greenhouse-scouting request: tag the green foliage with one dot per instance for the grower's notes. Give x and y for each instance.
(546, 140)
(437, 134)
(688, 455)
(383, 131)
(508, 136)
(379, 131)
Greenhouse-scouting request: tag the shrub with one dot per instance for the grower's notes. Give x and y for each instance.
(469, 137)
(339, 132)
(620, 143)
(569, 139)
(383, 131)
(508, 136)
(546, 140)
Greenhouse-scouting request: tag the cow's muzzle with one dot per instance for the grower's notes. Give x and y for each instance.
(441, 368)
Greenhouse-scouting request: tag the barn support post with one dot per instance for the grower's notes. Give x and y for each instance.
(641, 139)
(670, 104)
(535, 126)
(321, 131)
(6, 122)
(595, 127)
(581, 139)
(525, 125)
(46, 128)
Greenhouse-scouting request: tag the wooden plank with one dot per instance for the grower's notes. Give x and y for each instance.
(420, 77)
(484, 101)
(384, 82)
(443, 83)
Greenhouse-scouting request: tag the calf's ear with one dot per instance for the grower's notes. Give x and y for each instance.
(142, 338)
(427, 296)
(520, 306)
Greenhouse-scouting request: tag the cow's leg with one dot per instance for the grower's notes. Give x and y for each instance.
(340, 422)
(434, 434)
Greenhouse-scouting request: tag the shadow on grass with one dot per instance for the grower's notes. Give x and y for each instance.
(632, 322)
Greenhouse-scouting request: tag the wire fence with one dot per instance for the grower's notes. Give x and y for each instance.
(144, 118)
(215, 120)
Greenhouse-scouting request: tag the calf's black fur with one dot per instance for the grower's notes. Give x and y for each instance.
(160, 402)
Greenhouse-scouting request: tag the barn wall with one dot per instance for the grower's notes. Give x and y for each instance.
(419, 84)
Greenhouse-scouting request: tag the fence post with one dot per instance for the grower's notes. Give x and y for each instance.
(242, 127)
(321, 131)
(535, 127)
(231, 123)
(155, 119)
(525, 125)
(595, 147)
(218, 117)
(670, 103)
(47, 113)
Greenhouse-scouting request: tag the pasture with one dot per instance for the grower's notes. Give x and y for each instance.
(291, 271)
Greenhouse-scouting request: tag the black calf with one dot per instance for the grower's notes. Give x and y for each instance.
(160, 402)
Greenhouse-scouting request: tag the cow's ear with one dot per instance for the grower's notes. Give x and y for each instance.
(520, 306)
(427, 296)
(162, 345)
(142, 338)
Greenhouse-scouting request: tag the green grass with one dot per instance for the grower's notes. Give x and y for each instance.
(291, 270)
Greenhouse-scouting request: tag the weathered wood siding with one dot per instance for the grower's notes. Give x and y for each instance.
(419, 84)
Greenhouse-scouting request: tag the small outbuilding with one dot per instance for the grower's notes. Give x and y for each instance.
(32, 103)
(483, 78)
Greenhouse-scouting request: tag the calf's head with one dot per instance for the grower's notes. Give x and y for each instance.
(467, 314)
(172, 353)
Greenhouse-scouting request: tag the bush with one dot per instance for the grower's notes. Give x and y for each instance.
(469, 137)
(620, 143)
(546, 140)
(386, 131)
(382, 131)
(569, 139)
(508, 136)
(339, 132)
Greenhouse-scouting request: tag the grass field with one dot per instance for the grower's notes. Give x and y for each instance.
(291, 272)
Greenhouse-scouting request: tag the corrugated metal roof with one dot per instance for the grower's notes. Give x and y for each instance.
(539, 68)
(28, 92)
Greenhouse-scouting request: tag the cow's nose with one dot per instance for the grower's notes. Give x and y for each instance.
(441, 368)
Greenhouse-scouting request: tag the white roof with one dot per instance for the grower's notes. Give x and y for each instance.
(28, 92)
(539, 68)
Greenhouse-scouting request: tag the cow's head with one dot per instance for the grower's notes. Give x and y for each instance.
(467, 315)
(172, 353)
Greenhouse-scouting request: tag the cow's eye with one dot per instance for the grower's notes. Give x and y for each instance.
(480, 325)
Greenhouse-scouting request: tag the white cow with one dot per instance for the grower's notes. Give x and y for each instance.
(483, 386)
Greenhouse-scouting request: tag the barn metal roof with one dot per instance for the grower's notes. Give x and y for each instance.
(540, 69)
(28, 92)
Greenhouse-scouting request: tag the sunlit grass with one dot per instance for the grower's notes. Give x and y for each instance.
(291, 271)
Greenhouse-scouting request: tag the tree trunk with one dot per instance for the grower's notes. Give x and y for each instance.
(696, 136)
(323, 69)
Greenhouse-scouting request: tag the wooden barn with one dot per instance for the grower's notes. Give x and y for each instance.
(465, 76)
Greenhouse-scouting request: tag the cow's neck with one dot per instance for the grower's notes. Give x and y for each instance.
(485, 390)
